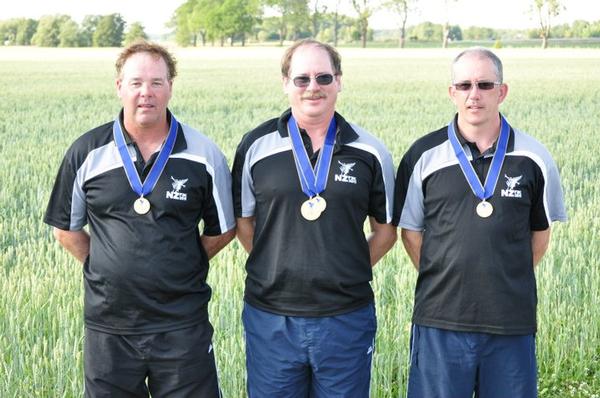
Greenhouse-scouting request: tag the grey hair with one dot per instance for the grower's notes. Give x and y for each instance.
(483, 53)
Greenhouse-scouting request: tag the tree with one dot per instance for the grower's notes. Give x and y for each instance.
(69, 34)
(48, 30)
(135, 32)
(109, 32)
(294, 15)
(546, 10)
(8, 32)
(364, 11)
(88, 27)
(26, 28)
(400, 8)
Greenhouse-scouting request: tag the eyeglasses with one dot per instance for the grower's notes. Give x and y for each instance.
(322, 80)
(467, 86)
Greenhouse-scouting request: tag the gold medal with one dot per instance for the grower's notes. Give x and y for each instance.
(310, 210)
(484, 209)
(320, 202)
(141, 206)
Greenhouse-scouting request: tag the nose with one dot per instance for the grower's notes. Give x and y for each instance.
(475, 91)
(313, 85)
(146, 89)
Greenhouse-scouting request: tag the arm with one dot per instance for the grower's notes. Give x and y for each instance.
(213, 244)
(245, 232)
(412, 241)
(539, 244)
(76, 242)
(381, 239)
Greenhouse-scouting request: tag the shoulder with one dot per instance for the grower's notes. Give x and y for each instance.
(369, 142)
(200, 146)
(426, 144)
(90, 141)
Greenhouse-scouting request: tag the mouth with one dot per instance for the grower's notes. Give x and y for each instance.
(145, 106)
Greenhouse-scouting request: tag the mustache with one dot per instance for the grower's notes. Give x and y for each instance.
(313, 95)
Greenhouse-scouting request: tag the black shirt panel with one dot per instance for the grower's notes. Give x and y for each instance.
(145, 273)
(476, 274)
(310, 268)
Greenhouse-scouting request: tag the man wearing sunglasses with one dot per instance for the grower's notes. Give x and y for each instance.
(304, 184)
(475, 201)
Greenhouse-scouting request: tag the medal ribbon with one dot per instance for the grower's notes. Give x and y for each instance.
(482, 192)
(313, 182)
(158, 166)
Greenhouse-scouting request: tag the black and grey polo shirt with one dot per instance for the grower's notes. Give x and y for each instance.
(476, 274)
(145, 273)
(310, 268)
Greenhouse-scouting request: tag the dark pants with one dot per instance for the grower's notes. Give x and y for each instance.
(449, 364)
(178, 363)
(302, 357)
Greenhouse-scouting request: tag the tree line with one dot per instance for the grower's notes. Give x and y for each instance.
(63, 31)
(221, 22)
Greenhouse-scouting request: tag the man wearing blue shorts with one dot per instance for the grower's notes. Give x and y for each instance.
(304, 184)
(475, 201)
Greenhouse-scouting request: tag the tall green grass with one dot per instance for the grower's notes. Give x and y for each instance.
(49, 97)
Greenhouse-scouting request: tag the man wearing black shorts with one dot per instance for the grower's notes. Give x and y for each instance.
(142, 183)
(475, 201)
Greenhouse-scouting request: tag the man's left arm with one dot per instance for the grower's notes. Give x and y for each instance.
(381, 239)
(213, 244)
(539, 244)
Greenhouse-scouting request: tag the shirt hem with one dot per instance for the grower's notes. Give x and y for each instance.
(144, 330)
(309, 313)
(463, 327)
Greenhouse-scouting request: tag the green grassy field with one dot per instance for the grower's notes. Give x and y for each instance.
(49, 97)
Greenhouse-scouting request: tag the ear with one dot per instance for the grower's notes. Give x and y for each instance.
(285, 82)
(452, 93)
(118, 84)
(338, 78)
(503, 92)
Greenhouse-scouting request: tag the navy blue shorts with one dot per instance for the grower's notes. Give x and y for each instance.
(449, 364)
(179, 363)
(298, 357)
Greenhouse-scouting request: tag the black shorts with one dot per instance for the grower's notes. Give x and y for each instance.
(179, 363)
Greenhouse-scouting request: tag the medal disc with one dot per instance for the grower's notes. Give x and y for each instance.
(484, 209)
(141, 206)
(320, 203)
(310, 210)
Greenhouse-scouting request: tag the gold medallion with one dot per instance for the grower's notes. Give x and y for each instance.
(320, 202)
(141, 206)
(310, 210)
(484, 209)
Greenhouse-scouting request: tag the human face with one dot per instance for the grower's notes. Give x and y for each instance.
(144, 89)
(313, 102)
(476, 107)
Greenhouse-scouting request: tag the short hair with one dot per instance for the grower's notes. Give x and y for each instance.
(143, 46)
(334, 56)
(483, 53)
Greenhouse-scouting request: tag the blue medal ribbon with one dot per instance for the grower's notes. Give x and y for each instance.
(158, 166)
(483, 192)
(313, 182)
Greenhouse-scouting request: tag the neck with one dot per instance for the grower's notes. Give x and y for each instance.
(483, 135)
(147, 138)
(316, 127)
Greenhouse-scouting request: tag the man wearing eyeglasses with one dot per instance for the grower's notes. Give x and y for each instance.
(304, 184)
(475, 201)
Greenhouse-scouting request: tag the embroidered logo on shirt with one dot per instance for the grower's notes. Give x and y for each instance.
(346, 168)
(511, 184)
(177, 186)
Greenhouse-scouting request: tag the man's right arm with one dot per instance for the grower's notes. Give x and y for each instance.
(76, 242)
(412, 241)
(245, 232)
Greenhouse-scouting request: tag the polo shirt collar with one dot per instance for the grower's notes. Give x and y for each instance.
(345, 132)
(180, 142)
(473, 148)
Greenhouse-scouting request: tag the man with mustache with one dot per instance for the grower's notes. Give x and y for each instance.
(475, 201)
(304, 184)
(142, 183)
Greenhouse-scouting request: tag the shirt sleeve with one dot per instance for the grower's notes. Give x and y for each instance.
(244, 200)
(409, 208)
(218, 209)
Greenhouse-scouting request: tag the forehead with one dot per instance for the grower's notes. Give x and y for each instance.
(310, 59)
(474, 66)
(144, 64)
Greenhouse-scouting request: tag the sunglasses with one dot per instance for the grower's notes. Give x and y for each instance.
(322, 80)
(467, 86)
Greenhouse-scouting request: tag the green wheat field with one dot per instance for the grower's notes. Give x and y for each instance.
(48, 97)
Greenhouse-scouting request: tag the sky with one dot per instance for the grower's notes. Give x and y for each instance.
(510, 14)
